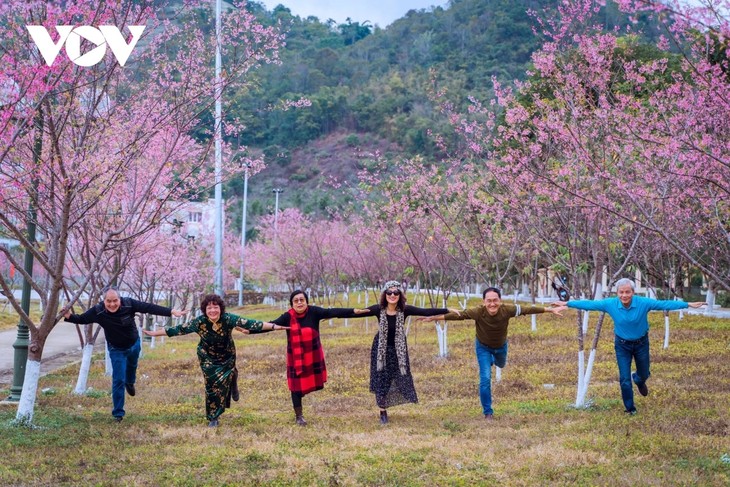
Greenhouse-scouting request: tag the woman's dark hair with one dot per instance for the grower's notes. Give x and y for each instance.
(492, 290)
(400, 305)
(212, 299)
(297, 291)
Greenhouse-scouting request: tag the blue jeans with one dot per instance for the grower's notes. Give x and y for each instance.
(124, 371)
(486, 356)
(638, 350)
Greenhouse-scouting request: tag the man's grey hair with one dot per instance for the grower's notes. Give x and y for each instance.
(106, 289)
(624, 281)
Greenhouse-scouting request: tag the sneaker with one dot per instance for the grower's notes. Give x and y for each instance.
(643, 390)
(489, 416)
(118, 419)
(301, 421)
(631, 412)
(130, 389)
(213, 423)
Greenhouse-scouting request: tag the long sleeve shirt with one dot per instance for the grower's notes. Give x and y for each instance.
(120, 329)
(628, 323)
(491, 330)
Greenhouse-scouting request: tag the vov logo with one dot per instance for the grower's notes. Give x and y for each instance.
(105, 35)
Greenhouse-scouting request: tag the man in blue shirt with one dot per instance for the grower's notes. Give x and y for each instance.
(631, 329)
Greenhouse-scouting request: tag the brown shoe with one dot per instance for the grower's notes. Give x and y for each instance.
(130, 389)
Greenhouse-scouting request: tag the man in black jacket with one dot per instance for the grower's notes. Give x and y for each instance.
(116, 316)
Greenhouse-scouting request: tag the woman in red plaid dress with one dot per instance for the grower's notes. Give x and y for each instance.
(305, 368)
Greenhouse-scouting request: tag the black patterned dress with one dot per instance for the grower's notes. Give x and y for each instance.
(390, 386)
(217, 355)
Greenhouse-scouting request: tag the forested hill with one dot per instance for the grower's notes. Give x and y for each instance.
(369, 89)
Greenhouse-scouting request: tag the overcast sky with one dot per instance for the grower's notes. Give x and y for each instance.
(380, 12)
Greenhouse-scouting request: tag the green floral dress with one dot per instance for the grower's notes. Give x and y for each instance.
(217, 355)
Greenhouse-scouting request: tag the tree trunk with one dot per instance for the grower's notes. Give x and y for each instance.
(84, 369)
(26, 405)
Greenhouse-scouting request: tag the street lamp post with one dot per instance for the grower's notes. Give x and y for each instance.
(243, 234)
(276, 191)
(20, 357)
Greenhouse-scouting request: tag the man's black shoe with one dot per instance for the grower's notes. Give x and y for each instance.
(130, 389)
(643, 390)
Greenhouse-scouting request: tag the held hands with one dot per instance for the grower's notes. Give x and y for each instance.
(559, 304)
(696, 304)
(556, 310)
(360, 311)
(177, 313)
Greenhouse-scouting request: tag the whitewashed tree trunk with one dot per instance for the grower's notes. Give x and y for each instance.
(666, 329)
(581, 359)
(533, 319)
(441, 333)
(710, 297)
(367, 324)
(586, 380)
(579, 399)
(26, 405)
(586, 318)
(83, 377)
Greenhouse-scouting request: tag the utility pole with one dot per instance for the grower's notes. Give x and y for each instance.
(218, 284)
(276, 191)
(243, 235)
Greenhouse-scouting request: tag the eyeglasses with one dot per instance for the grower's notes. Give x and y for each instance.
(392, 293)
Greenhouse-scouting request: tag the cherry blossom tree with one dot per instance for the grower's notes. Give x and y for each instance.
(97, 153)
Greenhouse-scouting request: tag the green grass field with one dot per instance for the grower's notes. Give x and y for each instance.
(681, 435)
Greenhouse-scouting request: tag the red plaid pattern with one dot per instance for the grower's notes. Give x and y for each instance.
(305, 368)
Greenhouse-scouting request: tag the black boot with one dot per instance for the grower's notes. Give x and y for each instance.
(234, 386)
(383, 416)
(299, 418)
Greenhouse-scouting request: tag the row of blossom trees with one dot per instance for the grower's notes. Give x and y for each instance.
(612, 156)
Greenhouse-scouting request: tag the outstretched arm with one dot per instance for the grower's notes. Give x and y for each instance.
(155, 333)
(431, 318)
(696, 304)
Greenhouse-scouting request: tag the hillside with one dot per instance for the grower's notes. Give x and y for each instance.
(369, 89)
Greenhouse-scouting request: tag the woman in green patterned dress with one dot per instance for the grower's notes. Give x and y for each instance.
(216, 349)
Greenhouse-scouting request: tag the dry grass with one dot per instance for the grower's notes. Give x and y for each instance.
(9, 318)
(679, 436)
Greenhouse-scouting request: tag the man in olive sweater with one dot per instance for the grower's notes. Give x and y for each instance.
(491, 320)
(116, 316)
